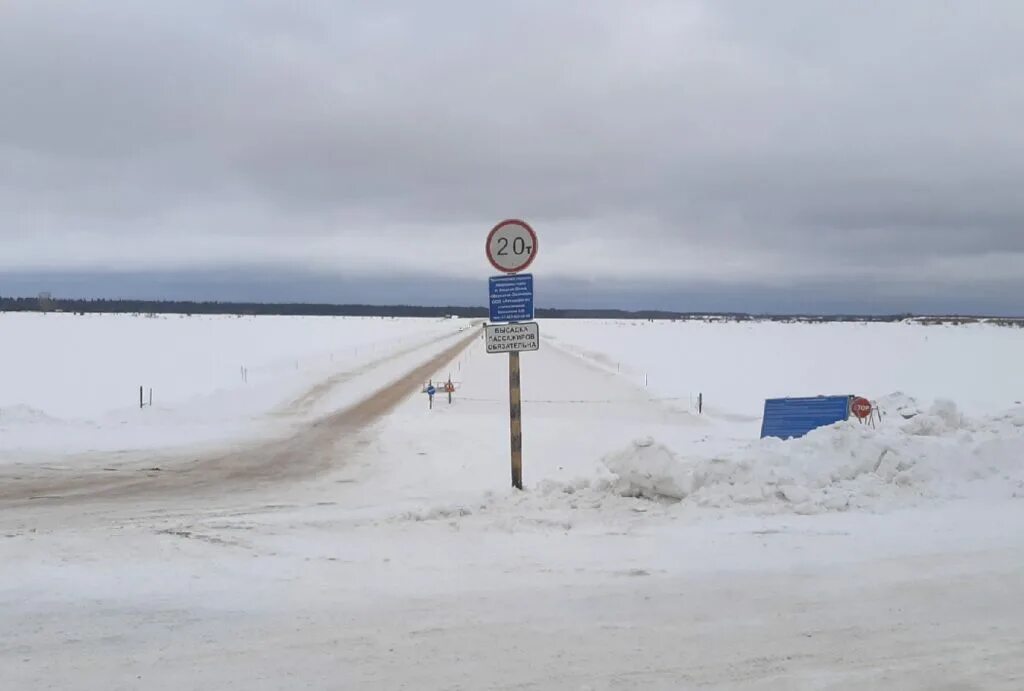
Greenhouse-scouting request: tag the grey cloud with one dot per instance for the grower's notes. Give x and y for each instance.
(791, 143)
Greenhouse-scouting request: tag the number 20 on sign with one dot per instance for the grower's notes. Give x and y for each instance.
(511, 246)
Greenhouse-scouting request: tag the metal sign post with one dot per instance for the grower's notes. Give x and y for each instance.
(515, 419)
(511, 248)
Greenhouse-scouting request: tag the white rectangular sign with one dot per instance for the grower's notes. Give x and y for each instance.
(511, 338)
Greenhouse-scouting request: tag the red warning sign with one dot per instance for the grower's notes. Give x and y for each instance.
(861, 407)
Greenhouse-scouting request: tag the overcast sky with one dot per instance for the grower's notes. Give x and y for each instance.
(688, 155)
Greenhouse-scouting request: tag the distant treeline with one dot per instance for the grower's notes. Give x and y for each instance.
(45, 303)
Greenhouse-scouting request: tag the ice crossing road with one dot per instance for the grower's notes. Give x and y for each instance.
(412, 564)
(314, 449)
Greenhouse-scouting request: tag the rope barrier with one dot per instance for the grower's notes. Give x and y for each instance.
(570, 400)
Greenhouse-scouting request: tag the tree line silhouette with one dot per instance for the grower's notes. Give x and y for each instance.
(46, 303)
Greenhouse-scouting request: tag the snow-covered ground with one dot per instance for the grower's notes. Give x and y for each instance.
(653, 548)
(71, 382)
(736, 365)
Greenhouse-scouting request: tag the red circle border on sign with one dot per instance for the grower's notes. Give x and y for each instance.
(495, 229)
(857, 406)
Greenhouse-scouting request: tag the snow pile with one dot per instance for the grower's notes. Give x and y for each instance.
(23, 414)
(899, 404)
(936, 454)
(1013, 417)
(943, 418)
(648, 469)
(435, 513)
(918, 454)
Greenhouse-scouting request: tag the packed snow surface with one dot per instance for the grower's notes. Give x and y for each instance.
(71, 382)
(382, 547)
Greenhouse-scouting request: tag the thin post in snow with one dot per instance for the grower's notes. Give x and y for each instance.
(515, 418)
(141, 406)
(151, 397)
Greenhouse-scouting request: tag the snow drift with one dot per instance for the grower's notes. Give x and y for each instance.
(934, 454)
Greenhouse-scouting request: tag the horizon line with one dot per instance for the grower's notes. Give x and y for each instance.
(642, 313)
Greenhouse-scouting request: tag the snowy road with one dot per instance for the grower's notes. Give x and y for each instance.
(313, 449)
(413, 565)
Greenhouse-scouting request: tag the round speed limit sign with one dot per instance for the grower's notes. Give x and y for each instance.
(511, 246)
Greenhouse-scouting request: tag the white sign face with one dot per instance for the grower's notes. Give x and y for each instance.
(511, 246)
(512, 338)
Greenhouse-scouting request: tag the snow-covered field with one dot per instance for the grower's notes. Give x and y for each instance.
(736, 365)
(653, 548)
(72, 382)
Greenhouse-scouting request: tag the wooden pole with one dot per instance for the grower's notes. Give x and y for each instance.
(516, 419)
(140, 398)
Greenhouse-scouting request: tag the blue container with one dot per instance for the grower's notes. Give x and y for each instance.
(789, 418)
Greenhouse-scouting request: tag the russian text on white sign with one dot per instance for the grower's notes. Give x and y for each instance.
(512, 338)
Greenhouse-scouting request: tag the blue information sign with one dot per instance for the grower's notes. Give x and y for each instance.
(512, 298)
(789, 418)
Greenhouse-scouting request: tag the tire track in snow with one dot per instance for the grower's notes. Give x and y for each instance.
(305, 402)
(315, 449)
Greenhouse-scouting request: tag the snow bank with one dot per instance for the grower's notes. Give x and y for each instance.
(651, 470)
(22, 414)
(918, 455)
(936, 454)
